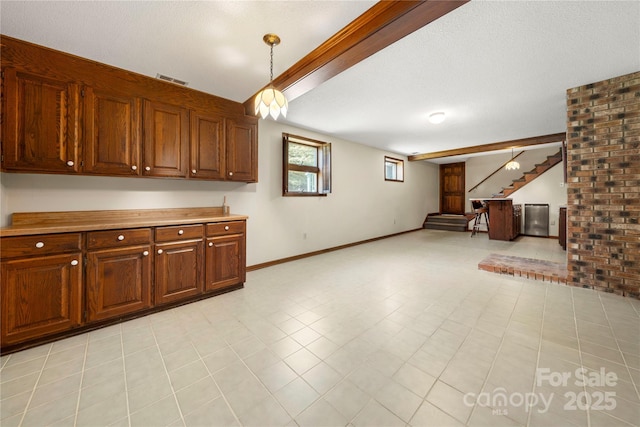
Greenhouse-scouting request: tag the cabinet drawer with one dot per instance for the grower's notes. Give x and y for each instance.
(115, 238)
(179, 232)
(40, 244)
(223, 228)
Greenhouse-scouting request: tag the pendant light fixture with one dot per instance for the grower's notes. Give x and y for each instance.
(271, 101)
(512, 165)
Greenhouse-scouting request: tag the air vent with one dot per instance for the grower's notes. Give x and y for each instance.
(172, 80)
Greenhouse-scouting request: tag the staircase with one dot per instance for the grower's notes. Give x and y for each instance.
(447, 222)
(531, 175)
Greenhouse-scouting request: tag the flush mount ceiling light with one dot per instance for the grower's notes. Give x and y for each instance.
(512, 164)
(271, 101)
(437, 118)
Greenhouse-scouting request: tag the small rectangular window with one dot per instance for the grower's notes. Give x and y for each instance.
(306, 166)
(393, 169)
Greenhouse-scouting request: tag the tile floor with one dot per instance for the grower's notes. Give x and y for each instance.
(404, 331)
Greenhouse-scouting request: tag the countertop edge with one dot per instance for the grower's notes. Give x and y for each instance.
(28, 230)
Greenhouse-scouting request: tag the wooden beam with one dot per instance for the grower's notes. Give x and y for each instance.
(383, 24)
(516, 143)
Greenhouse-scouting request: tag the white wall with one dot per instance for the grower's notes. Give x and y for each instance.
(363, 205)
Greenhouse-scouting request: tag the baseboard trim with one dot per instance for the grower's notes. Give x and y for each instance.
(324, 251)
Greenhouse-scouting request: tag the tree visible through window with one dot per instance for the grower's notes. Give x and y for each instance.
(306, 166)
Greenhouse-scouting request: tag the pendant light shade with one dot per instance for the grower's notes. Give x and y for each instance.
(270, 101)
(512, 165)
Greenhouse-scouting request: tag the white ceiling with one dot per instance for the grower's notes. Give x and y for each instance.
(498, 69)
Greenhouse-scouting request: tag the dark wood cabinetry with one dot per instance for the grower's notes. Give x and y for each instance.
(93, 119)
(41, 280)
(112, 132)
(127, 271)
(40, 123)
(166, 140)
(562, 228)
(242, 151)
(178, 263)
(225, 254)
(505, 219)
(118, 278)
(207, 145)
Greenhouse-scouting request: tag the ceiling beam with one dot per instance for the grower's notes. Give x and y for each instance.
(516, 143)
(383, 24)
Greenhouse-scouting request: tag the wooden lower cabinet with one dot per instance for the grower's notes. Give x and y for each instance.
(225, 262)
(40, 296)
(58, 284)
(178, 268)
(505, 219)
(118, 282)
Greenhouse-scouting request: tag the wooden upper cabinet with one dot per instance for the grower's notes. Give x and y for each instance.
(40, 129)
(242, 149)
(166, 140)
(207, 145)
(111, 133)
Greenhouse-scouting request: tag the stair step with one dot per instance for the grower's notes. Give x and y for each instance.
(446, 222)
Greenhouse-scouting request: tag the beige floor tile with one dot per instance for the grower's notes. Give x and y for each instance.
(322, 377)
(347, 399)
(449, 400)
(296, 396)
(320, 414)
(430, 416)
(215, 414)
(399, 400)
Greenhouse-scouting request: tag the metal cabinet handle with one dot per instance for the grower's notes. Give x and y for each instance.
(70, 163)
(74, 262)
(40, 245)
(121, 237)
(160, 251)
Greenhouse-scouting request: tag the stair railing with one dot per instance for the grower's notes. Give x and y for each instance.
(494, 172)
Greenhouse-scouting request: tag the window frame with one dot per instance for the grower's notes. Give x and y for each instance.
(323, 170)
(399, 166)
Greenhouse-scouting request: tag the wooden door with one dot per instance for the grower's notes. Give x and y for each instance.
(207, 146)
(452, 194)
(111, 133)
(39, 124)
(178, 268)
(242, 150)
(224, 262)
(40, 296)
(118, 282)
(166, 140)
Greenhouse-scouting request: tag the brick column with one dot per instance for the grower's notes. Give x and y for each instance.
(603, 200)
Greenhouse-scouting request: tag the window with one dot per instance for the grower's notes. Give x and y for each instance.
(393, 169)
(306, 166)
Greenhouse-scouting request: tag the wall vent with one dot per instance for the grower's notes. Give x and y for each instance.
(172, 80)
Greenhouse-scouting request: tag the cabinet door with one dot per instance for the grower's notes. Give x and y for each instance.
(225, 262)
(40, 124)
(111, 133)
(118, 282)
(207, 146)
(166, 140)
(242, 150)
(178, 268)
(40, 296)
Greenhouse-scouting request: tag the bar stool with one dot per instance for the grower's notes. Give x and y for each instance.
(480, 210)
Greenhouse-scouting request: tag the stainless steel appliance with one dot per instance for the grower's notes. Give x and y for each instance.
(536, 220)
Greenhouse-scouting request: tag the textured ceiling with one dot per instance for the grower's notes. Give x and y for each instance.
(499, 69)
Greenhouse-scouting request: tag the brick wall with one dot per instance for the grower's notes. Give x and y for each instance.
(603, 201)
